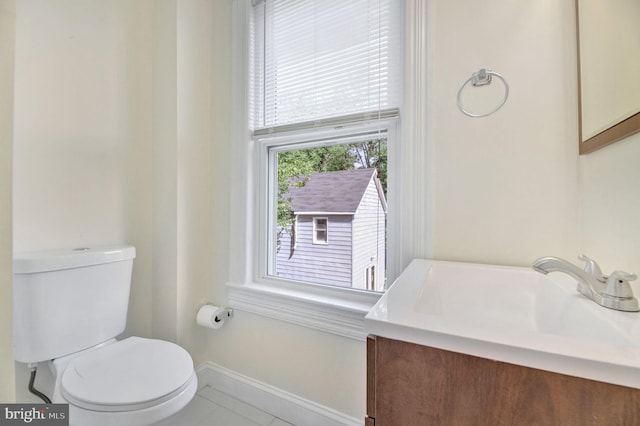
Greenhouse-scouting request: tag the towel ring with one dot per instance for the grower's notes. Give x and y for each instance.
(483, 78)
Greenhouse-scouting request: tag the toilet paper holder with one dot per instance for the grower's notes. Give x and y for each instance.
(212, 316)
(226, 313)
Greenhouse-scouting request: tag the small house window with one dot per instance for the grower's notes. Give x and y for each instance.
(320, 230)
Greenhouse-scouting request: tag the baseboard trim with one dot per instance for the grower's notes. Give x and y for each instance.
(282, 404)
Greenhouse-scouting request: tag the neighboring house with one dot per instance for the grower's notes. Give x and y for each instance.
(338, 237)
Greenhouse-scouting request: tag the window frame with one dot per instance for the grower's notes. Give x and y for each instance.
(268, 145)
(334, 310)
(325, 240)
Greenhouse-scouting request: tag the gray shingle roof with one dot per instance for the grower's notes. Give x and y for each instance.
(332, 192)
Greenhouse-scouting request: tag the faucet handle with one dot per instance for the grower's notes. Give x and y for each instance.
(618, 284)
(591, 267)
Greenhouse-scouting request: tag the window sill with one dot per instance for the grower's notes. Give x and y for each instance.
(333, 310)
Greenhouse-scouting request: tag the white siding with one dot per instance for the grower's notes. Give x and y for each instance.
(318, 263)
(369, 239)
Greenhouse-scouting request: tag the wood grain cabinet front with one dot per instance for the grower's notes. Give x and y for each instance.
(409, 384)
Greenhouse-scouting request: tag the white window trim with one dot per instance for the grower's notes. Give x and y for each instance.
(266, 147)
(335, 310)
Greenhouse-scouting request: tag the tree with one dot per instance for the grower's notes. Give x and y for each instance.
(373, 154)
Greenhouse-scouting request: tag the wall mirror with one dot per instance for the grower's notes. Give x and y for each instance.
(608, 71)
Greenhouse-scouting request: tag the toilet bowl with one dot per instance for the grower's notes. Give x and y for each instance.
(135, 381)
(69, 308)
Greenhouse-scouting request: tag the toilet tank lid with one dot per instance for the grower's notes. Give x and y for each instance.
(56, 260)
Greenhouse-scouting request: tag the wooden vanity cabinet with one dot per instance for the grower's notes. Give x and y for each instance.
(409, 384)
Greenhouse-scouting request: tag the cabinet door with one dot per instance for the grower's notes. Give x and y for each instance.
(409, 384)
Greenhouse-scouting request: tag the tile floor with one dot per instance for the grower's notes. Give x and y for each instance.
(210, 407)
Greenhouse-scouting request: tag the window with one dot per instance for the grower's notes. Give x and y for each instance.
(320, 59)
(326, 203)
(255, 285)
(320, 230)
(325, 95)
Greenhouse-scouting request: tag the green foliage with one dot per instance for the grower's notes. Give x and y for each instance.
(296, 167)
(372, 154)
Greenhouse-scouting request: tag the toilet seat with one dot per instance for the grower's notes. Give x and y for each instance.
(131, 374)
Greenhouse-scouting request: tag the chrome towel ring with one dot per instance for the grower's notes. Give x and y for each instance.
(482, 78)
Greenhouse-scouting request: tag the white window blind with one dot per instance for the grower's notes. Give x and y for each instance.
(317, 59)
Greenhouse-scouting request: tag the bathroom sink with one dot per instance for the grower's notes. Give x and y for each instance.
(510, 314)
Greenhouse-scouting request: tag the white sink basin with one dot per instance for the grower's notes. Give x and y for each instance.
(510, 314)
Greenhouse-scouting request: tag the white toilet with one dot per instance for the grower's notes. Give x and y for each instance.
(68, 307)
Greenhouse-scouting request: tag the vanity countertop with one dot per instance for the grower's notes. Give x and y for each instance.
(509, 314)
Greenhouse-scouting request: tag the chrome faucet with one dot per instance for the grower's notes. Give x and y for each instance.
(612, 292)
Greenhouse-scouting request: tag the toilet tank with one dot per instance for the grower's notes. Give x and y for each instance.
(65, 301)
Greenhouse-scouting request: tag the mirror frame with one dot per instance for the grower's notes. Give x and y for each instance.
(613, 134)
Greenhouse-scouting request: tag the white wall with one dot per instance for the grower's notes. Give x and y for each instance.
(511, 187)
(198, 143)
(165, 173)
(76, 122)
(183, 182)
(506, 185)
(7, 44)
(609, 206)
